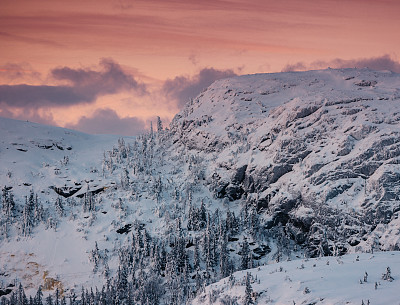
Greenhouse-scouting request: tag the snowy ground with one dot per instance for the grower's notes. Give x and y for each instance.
(329, 280)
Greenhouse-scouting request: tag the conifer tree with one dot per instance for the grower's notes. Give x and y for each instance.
(59, 206)
(196, 255)
(39, 296)
(49, 300)
(245, 255)
(8, 203)
(159, 125)
(224, 256)
(57, 297)
(248, 299)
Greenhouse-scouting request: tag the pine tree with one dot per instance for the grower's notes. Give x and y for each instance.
(207, 239)
(95, 257)
(248, 299)
(59, 206)
(49, 300)
(224, 256)
(202, 215)
(83, 299)
(8, 203)
(121, 282)
(245, 255)
(39, 296)
(196, 255)
(199, 283)
(122, 148)
(191, 218)
(159, 125)
(27, 220)
(38, 214)
(125, 181)
(88, 201)
(57, 297)
(21, 296)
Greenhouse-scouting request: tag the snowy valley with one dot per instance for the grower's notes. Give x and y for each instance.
(292, 177)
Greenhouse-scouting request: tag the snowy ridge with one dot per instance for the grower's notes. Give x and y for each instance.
(34, 154)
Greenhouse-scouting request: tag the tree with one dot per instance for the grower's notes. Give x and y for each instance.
(7, 200)
(121, 282)
(388, 275)
(196, 255)
(39, 296)
(49, 300)
(245, 255)
(248, 299)
(88, 201)
(59, 206)
(57, 297)
(151, 130)
(125, 181)
(223, 257)
(159, 125)
(27, 219)
(22, 300)
(95, 257)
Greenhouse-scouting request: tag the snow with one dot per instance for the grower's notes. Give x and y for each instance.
(330, 280)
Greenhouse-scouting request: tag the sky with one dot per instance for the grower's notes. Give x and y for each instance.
(113, 66)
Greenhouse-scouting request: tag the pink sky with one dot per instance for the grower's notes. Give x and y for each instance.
(153, 54)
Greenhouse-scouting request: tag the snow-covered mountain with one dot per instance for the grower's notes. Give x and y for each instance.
(257, 168)
(305, 146)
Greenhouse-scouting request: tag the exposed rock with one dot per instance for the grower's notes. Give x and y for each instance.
(239, 175)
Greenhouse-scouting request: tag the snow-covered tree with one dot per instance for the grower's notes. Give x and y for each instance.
(248, 298)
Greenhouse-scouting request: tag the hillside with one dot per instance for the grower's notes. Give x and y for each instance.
(351, 279)
(257, 168)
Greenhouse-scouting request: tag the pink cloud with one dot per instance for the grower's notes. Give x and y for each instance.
(384, 62)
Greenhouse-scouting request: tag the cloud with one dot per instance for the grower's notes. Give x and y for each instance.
(21, 38)
(299, 66)
(111, 79)
(183, 88)
(21, 71)
(384, 62)
(193, 59)
(27, 96)
(85, 86)
(107, 121)
(33, 115)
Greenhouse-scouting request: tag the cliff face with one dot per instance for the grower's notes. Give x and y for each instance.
(316, 152)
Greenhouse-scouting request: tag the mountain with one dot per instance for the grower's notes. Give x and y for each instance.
(257, 168)
(305, 146)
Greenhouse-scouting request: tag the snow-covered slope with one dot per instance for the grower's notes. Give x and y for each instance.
(36, 157)
(351, 279)
(40, 160)
(257, 168)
